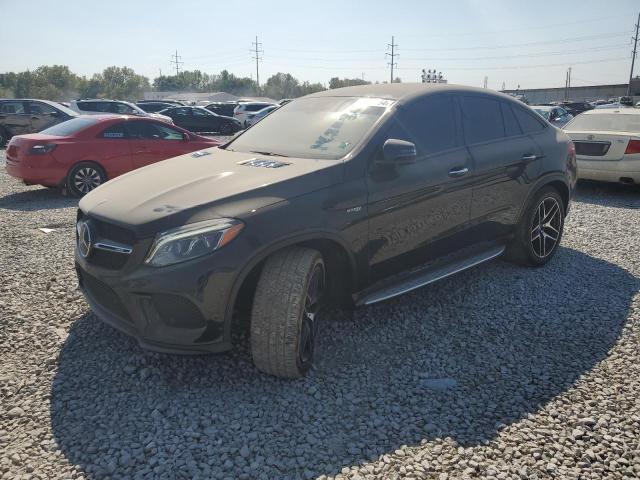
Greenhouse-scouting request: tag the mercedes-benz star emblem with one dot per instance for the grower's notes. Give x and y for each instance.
(84, 239)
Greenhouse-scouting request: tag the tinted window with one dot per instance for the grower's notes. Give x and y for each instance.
(12, 107)
(153, 131)
(122, 108)
(482, 119)
(511, 126)
(254, 107)
(37, 108)
(182, 111)
(87, 106)
(118, 130)
(198, 112)
(69, 127)
(430, 123)
(528, 122)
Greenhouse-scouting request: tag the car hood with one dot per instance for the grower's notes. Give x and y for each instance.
(159, 116)
(210, 183)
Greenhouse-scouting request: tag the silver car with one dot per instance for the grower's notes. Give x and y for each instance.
(120, 107)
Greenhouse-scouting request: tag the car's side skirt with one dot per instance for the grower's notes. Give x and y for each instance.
(429, 273)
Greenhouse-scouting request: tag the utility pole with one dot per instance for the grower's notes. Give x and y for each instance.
(633, 57)
(257, 50)
(569, 84)
(486, 80)
(176, 59)
(393, 55)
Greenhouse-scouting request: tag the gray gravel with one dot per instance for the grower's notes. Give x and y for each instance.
(499, 372)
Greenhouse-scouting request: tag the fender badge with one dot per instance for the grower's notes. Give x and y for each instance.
(354, 209)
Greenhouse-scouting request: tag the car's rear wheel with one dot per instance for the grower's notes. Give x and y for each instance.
(540, 230)
(84, 177)
(226, 129)
(284, 317)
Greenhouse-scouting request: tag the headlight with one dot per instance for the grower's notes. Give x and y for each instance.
(192, 241)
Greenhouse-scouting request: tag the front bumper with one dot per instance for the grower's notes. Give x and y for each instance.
(182, 308)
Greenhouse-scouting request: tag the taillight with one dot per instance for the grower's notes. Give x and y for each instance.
(42, 149)
(632, 147)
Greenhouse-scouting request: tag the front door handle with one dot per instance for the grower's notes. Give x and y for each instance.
(458, 172)
(529, 158)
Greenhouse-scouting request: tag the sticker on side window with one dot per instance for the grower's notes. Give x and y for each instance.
(114, 135)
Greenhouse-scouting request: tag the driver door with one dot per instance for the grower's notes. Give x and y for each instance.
(43, 116)
(152, 141)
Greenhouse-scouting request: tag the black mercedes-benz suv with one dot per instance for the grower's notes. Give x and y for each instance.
(353, 195)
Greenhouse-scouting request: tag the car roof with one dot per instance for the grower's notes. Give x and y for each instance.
(622, 111)
(544, 107)
(406, 92)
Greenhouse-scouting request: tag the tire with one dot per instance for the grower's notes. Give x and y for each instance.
(4, 137)
(226, 129)
(537, 242)
(288, 296)
(84, 177)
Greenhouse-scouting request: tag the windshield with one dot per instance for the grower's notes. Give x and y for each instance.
(315, 127)
(606, 122)
(543, 113)
(69, 127)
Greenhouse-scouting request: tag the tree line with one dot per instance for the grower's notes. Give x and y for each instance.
(59, 83)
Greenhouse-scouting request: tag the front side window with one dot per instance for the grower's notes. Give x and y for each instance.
(314, 127)
(430, 123)
(197, 112)
(182, 112)
(123, 108)
(152, 131)
(12, 107)
(482, 119)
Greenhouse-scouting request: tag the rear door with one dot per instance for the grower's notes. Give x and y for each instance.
(14, 117)
(506, 161)
(204, 121)
(43, 115)
(415, 209)
(183, 118)
(153, 141)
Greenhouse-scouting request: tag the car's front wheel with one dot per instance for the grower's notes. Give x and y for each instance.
(84, 177)
(540, 229)
(284, 318)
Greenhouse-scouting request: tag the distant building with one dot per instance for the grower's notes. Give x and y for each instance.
(589, 93)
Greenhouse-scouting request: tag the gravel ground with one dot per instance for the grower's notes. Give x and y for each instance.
(498, 372)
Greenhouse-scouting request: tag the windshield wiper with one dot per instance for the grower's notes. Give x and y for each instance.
(269, 154)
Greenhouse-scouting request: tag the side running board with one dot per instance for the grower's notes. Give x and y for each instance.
(426, 275)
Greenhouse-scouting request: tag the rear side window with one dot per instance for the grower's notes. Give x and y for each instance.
(69, 127)
(254, 107)
(38, 108)
(122, 108)
(528, 121)
(511, 126)
(482, 119)
(87, 106)
(182, 112)
(12, 107)
(119, 130)
(152, 131)
(430, 123)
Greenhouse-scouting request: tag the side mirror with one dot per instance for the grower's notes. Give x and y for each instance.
(396, 151)
(185, 137)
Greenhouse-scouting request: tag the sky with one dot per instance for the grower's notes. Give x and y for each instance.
(530, 44)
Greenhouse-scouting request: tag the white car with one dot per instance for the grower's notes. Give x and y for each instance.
(120, 107)
(253, 118)
(607, 144)
(556, 116)
(243, 109)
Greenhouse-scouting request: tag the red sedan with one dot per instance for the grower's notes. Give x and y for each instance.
(82, 153)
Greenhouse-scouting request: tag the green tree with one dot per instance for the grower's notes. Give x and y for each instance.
(336, 82)
(122, 83)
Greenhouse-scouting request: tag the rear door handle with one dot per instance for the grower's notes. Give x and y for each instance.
(458, 172)
(529, 158)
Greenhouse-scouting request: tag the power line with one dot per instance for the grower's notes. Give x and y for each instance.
(633, 57)
(256, 52)
(393, 56)
(176, 59)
